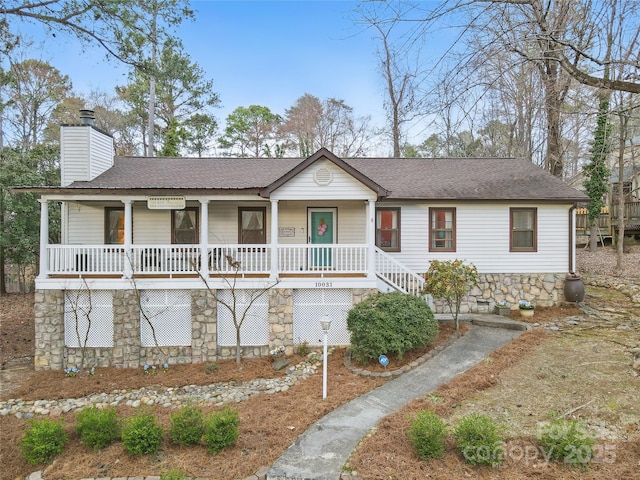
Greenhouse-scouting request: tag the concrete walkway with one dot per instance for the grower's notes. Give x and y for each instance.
(321, 451)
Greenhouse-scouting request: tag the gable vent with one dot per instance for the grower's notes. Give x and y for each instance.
(323, 176)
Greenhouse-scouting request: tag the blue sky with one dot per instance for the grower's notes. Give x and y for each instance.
(256, 52)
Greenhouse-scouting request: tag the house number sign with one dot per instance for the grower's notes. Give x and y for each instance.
(166, 202)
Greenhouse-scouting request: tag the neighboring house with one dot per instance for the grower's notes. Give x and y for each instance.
(147, 242)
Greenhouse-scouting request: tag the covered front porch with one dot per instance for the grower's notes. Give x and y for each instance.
(278, 255)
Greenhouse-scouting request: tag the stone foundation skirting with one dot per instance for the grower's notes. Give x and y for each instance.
(541, 289)
(127, 352)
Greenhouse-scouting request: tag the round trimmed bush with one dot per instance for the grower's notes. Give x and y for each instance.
(43, 440)
(390, 323)
(221, 429)
(568, 441)
(98, 428)
(187, 426)
(479, 440)
(141, 434)
(428, 433)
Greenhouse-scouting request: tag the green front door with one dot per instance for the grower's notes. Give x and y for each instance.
(322, 228)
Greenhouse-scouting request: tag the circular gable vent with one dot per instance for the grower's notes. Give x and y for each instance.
(323, 176)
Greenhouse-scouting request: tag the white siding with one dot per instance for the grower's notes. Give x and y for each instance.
(351, 220)
(151, 227)
(86, 224)
(74, 151)
(85, 153)
(482, 237)
(223, 220)
(101, 153)
(342, 186)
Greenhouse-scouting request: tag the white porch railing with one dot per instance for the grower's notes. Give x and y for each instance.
(220, 259)
(397, 275)
(334, 258)
(98, 259)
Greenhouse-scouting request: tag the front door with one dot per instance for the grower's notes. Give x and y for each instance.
(322, 228)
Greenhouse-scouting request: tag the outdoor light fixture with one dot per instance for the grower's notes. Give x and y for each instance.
(325, 323)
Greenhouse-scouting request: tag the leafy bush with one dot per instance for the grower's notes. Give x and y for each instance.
(568, 441)
(387, 323)
(211, 367)
(141, 434)
(479, 440)
(187, 426)
(43, 440)
(427, 434)
(221, 429)
(98, 428)
(303, 349)
(450, 280)
(174, 474)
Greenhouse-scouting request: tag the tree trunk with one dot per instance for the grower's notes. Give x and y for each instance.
(238, 352)
(620, 246)
(593, 237)
(152, 86)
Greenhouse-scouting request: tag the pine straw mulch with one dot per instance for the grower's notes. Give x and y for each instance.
(270, 423)
(387, 450)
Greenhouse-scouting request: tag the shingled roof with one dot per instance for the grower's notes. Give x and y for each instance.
(401, 178)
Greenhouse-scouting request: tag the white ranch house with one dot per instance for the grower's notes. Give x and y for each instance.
(148, 243)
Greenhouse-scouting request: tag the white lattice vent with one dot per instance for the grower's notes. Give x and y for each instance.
(88, 318)
(309, 305)
(165, 318)
(255, 326)
(323, 176)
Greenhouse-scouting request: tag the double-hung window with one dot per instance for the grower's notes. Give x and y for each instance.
(523, 229)
(388, 229)
(252, 225)
(114, 225)
(442, 231)
(184, 226)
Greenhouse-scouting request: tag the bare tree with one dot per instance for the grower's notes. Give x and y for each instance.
(400, 65)
(239, 310)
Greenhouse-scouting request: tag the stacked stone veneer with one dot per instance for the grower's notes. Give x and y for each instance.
(51, 353)
(542, 289)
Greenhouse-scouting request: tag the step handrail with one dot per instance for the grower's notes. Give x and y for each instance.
(397, 275)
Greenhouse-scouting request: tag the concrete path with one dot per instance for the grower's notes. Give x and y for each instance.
(321, 451)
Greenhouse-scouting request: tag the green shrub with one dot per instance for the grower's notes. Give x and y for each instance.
(567, 441)
(389, 323)
(303, 349)
(221, 429)
(174, 474)
(43, 440)
(479, 440)
(187, 426)
(141, 434)
(211, 367)
(98, 428)
(427, 434)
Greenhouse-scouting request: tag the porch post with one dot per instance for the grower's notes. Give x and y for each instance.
(371, 238)
(274, 240)
(204, 238)
(128, 238)
(44, 237)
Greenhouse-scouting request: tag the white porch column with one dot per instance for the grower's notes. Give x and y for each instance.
(44, 238)
(204, 238)
(371, 237)
(274, 240)
(128, 238)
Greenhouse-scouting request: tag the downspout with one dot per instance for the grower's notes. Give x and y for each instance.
(572, 238)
